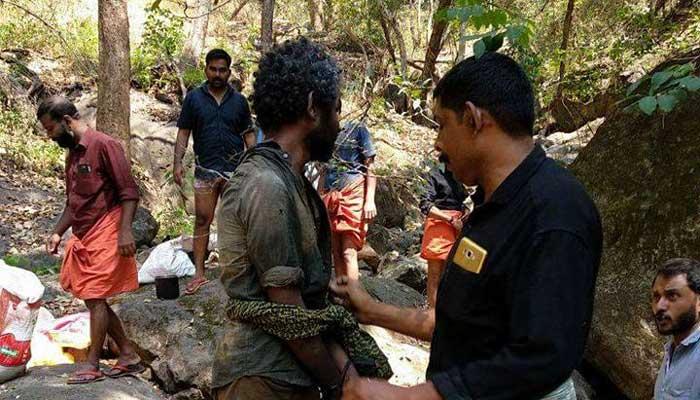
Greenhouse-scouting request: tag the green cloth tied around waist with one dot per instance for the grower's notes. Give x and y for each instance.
(290, 322)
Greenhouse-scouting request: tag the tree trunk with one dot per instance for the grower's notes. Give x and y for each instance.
(267, 15)
(462, 49)
(327, 15)
(194, 45)
(402, 46)
(114, 81)
(568, 19)
(387, 37)
(435, 42)
(313, 13)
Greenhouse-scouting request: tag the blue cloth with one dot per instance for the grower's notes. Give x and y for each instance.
(679, 378)
(352, 148)
(216, 129)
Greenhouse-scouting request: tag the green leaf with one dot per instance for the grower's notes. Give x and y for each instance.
(479, 48)
(691, 83)
(648, 105)
(680, 94)
(659, 79)
(679, 71)
(155, 5)
(667, 102)
(493, 43)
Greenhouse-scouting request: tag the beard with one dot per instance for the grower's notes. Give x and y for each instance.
(684, 323)
(216, 83)
(443, 158)
(321, 140)
(66, 139)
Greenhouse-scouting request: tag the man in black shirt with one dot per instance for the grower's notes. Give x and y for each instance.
(442, 203)
(515, 302)
(217, 117)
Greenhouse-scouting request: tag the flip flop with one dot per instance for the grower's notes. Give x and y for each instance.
(194, 285)
(79, 377)
(125, 370)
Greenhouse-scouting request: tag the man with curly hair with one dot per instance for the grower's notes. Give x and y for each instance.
(274, 235)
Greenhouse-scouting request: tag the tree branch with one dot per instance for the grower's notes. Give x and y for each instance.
(51, 27)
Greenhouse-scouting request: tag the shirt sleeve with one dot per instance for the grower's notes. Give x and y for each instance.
(366, 142)
(118, 169)
(552, 299)
(186, 119)
(272, 231)
(427, 198)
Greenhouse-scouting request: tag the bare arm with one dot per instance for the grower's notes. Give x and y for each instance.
(127, 246)
(408, 321)
(370, 209)
(61, 227)
(311, 352)
(183, 137)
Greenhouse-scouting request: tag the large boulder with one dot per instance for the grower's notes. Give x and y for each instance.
(41, 383)
(643, 173)
(176, 338)
(411, 271)
(145, 227)
(391, 209)
(392, 292)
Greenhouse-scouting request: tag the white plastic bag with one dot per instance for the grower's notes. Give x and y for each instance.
(20, 295)
(168, 258)
(51, 337)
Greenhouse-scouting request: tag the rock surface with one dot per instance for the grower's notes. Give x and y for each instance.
(145, 227)
(43, 383)
(643, 174)
(392, 292)
(411, 271)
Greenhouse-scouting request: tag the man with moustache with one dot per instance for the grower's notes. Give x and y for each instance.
(99, 257)
(216, 116)
(514, 304)
(675, 302)
(274, 234)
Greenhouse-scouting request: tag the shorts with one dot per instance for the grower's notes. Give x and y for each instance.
(345, 211)
(207, 186)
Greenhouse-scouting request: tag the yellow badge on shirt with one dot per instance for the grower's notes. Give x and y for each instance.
(470, 256)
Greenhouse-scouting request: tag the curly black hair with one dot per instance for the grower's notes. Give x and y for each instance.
(285, 77)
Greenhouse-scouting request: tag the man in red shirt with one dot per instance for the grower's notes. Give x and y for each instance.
(99, 257)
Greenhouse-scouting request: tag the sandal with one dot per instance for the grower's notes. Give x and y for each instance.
(125, 370)
(194, 285)
(85, 376)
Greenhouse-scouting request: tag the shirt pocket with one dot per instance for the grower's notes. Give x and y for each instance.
(87, 184)
(461, 292)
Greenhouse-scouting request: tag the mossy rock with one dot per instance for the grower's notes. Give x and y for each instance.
(643, 173)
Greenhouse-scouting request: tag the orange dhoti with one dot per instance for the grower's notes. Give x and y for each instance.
(345, 209)
(93, 268)
(438, 237)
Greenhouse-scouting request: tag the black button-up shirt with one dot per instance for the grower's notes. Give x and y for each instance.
(216, 129)
(517, 329)
(442, 191)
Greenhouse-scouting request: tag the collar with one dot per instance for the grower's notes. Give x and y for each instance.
(85, 139)
(230, 90)
(519, 177)
(693, 338)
